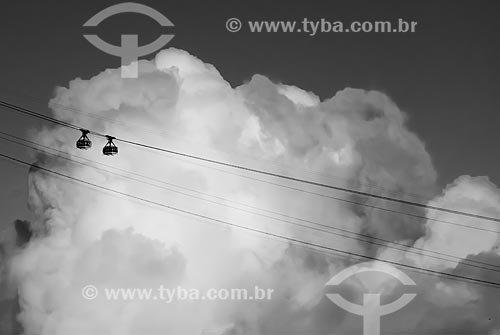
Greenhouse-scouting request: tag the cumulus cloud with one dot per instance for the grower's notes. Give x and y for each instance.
(356, 138)
(475, 195)
(440, 301)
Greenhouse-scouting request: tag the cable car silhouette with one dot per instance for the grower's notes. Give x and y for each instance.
(110, 148)
(83, 142)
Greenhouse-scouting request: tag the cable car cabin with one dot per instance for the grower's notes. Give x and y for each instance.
(84, 142)
(110, 148)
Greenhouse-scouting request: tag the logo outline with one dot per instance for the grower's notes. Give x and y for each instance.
(129, 51)
(371, 310)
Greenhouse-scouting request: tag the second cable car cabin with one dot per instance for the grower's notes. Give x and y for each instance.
(110, 148)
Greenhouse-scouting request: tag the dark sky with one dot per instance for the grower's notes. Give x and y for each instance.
(445, 76)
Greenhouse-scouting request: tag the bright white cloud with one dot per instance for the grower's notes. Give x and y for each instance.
(357, 138)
